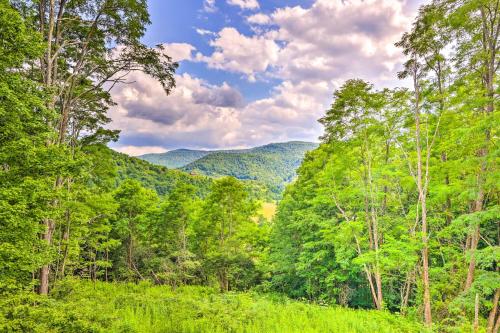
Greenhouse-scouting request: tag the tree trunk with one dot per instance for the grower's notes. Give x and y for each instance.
(497, 325)
(43, 288)
(422, 191)
(130, 259)
(493, 312)
(478, 206)
(476, 314)
(223, 280)
(405, 296)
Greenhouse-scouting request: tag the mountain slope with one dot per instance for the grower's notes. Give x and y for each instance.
(273, 165)
(156, 177)
(175, 158)
(163, 180)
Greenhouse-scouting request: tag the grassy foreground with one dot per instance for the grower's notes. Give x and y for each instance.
(77, 306)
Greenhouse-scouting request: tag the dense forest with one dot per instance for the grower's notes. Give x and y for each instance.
(392, 224)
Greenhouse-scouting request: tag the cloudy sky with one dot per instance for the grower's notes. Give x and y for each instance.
(255, 71)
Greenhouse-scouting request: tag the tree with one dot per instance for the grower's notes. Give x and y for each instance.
(172, 236)
(26, 164)
(133, 201)
(226, 218)
(90, 46)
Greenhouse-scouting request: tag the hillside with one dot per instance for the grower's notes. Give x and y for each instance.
(175, 158)
(163, 180)
(156, 177)
(273, 165)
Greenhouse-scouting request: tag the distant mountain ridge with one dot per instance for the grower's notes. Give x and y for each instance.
(273, 164)
(175, 159)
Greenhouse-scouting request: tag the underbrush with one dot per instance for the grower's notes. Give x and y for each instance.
(80, 306)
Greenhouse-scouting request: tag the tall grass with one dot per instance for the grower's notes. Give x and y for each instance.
(77, 306)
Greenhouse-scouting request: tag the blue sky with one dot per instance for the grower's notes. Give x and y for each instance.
(255, 71)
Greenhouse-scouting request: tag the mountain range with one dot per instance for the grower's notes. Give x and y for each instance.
(273, 164)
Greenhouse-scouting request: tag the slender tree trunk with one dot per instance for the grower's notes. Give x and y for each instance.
(49, 224)
(223, 280)
(497, 325)
(43, 288)
(476, 314)
(66, 243)
(494, 310)
(406, 291)
(373, 291)
(106, 268)
(130, 252)
(423, 205)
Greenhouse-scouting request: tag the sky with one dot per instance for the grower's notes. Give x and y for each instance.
(253, 72)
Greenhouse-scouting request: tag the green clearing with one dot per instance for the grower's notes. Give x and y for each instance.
(81, 306)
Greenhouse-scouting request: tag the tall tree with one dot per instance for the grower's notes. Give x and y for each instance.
(227, 214)
(26, 164)
(91, 46)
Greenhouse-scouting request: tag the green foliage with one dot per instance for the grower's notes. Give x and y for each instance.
(25, 162)
(155, 177)
(177, 158)
(76, 306)
(399, 202)
(229, 241)
(272, 165)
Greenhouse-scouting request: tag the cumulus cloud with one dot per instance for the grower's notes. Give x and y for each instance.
(337, 39)
(196, 114)
(244, 4)
(179, 51)
(333, 39)
(260, 19)
(200, 115)
(310, 51)
(223, 96)
(238, 53)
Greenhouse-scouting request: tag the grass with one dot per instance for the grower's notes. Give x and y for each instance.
(79, 306)
(268, 210)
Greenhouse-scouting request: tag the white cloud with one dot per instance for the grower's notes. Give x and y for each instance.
(337, 39)
(179, 51)
(333, 39)
(260, 19)
(238, 53)
(200, 115)
(137, 151)
(195, 114)
(310, 50)
(244, 4)
(204, 32)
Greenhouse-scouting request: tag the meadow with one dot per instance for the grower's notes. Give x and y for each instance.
(82, 306)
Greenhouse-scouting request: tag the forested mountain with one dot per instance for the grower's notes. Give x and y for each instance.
(163, 180)
(155, 177)
(175, 158)
(273, 165)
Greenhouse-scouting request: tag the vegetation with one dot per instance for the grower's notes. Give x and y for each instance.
(396, 211)
(175, 158)
(273, 165)
(398, 208)
(157, 178)
(111, 307)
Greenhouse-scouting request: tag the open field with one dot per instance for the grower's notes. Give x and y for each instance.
(77, 306)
